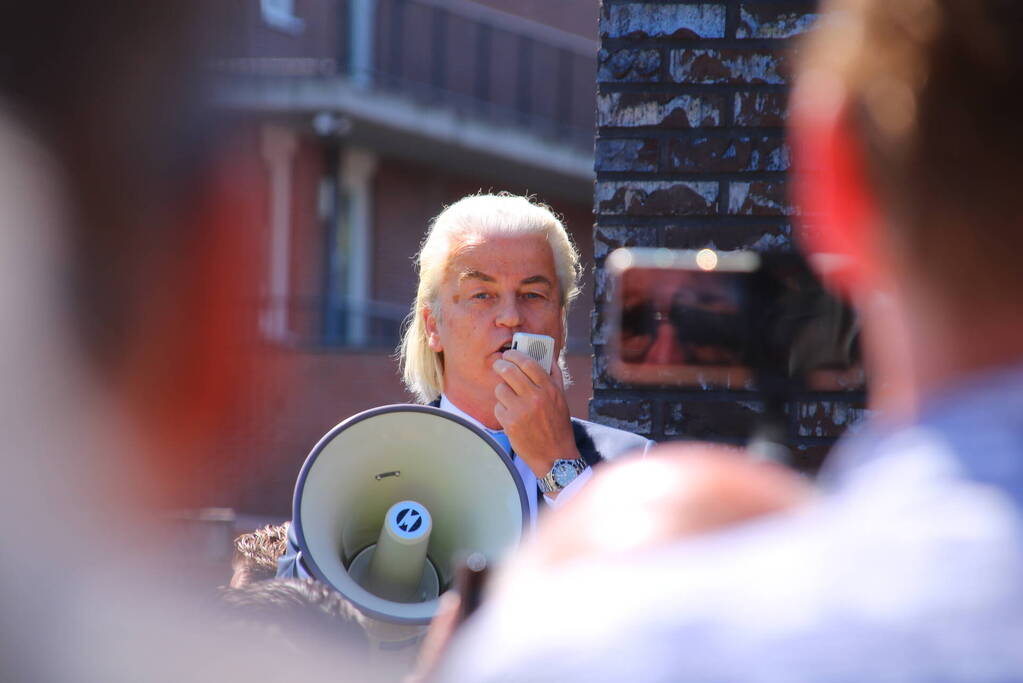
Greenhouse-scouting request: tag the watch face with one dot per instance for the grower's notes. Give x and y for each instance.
(564, 473)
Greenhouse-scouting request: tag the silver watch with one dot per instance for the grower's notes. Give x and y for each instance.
(561, 475)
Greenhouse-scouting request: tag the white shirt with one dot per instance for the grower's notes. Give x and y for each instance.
(528, 478)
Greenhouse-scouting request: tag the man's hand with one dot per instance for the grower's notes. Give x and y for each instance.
(532, 409)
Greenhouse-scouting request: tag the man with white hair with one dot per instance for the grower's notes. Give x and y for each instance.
(491, 266)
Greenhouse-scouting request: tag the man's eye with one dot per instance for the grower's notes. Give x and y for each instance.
(481, 295)
(532, 295)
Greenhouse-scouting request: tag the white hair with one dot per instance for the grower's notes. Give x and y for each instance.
(478, 215)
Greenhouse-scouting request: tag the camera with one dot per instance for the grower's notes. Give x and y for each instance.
(730, 320)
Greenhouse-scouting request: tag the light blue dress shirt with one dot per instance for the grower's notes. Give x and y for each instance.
(527, 475)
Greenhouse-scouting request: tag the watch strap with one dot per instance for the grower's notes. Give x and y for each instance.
(548, 483)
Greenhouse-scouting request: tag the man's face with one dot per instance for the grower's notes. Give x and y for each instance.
(493, 287)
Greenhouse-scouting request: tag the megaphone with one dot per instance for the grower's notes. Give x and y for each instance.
(389, 498)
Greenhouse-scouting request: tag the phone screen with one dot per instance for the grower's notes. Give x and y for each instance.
(729, 320)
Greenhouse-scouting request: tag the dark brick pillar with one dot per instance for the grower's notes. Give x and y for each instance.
(691, 153)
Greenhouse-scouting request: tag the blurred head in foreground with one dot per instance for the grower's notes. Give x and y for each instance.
(288, 614)
(135, 272)
(123, 218)
(904, 125)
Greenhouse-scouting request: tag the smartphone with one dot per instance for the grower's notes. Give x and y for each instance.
(728, 319)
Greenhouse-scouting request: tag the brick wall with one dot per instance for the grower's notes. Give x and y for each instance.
(691, 153)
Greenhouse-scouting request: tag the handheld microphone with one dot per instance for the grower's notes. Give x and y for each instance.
(539, 347)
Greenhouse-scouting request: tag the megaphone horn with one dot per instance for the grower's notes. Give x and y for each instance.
(387, 500)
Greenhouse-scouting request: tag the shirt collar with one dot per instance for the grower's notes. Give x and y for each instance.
(446, 404)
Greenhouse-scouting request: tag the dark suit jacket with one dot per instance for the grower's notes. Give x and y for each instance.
(596, 443)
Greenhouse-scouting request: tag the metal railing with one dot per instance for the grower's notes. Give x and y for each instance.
(321, 322)
(490, 65)
(483, 63)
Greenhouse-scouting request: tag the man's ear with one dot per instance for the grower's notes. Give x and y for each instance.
(432, 332)
(839, 212)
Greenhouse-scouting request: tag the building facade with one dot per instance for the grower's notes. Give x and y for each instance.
(364, 118)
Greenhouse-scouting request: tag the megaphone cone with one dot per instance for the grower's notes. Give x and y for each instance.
(443, 471)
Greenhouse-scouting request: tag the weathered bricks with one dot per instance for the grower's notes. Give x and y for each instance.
(608, 238)
(748, 67)
(628, 66)
(728, 153)
(626, 155)
(825, 419)
(634, 416)
(774, 20)
(753, 108)
(663, 20)
(729, 237)
(656, 198)
(691, 153)
(714, 420)
(759, 198)
(667, 110)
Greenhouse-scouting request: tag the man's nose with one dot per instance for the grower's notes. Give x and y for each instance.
(664, 350)
(508, 313)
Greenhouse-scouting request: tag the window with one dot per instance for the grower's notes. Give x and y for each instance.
(280, 14)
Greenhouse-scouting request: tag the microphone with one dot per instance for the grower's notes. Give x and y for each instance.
(539, 347)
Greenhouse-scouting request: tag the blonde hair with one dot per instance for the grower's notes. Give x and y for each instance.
(476, 215)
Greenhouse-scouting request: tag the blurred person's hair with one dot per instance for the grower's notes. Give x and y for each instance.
(128, 215)
(256, 553)
(114, 91)
(302, 607)
(475, 216)
(155, 202)
(932, 87)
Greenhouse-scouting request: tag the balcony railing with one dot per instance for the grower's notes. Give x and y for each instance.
(320, 322)
(456, 54)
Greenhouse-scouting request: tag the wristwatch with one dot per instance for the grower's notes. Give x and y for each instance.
(561, 475)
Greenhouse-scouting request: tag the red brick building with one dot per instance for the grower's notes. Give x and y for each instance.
(365, 117)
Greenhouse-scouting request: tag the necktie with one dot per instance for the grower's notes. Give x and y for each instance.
(504, 441)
